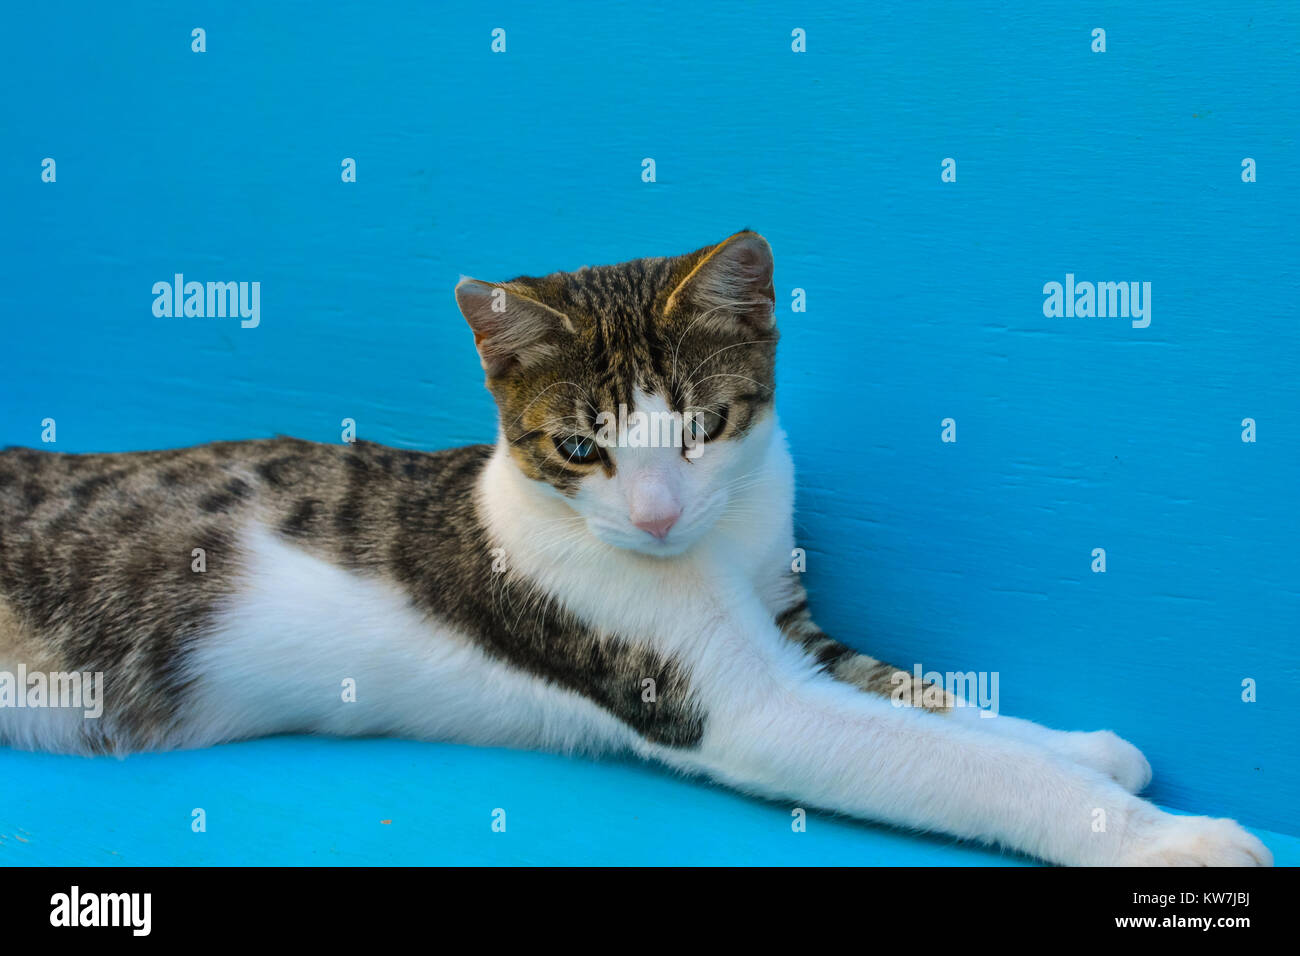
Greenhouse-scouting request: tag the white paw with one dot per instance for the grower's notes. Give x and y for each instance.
(1195, 841)
(1114, 756)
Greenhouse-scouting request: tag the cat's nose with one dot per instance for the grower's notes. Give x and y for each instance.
(658, 526)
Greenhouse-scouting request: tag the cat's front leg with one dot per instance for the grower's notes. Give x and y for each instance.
(779, 727)
(1101, 750)
(843, 663)
(915, 769)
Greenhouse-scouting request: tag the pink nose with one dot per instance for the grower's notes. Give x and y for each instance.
(659, 526)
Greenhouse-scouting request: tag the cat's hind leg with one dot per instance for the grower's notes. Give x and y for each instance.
(35, 682)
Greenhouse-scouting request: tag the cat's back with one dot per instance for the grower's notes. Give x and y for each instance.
(50, 494)
(127, 520)
(55, 487)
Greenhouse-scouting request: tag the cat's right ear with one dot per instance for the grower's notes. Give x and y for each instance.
(730, 283)
(510, 328)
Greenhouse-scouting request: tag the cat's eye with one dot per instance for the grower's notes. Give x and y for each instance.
(704, 424)
(578, 449)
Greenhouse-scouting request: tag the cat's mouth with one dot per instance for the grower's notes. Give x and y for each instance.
(677, 541)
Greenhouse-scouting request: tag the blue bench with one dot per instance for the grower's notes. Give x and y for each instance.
(318, 801)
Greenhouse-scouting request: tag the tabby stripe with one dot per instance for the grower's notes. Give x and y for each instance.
(788, 616)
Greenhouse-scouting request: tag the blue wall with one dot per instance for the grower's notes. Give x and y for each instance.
(924, 298)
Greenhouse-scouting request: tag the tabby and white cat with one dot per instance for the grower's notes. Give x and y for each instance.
(557, 590)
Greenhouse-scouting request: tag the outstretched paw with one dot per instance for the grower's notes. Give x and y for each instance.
(1112, 755)
(1196, 841)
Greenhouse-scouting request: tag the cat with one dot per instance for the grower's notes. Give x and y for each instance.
(567, 588)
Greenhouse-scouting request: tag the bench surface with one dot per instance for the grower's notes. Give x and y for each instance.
(318, 801)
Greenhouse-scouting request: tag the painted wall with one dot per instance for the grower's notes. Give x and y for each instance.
(924, 298)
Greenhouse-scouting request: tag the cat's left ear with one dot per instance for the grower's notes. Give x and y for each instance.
(511, 329)
(732, 282)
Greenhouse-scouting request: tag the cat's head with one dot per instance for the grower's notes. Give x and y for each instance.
(640, 392)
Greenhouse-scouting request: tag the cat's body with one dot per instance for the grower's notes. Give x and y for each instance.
(549, 592)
